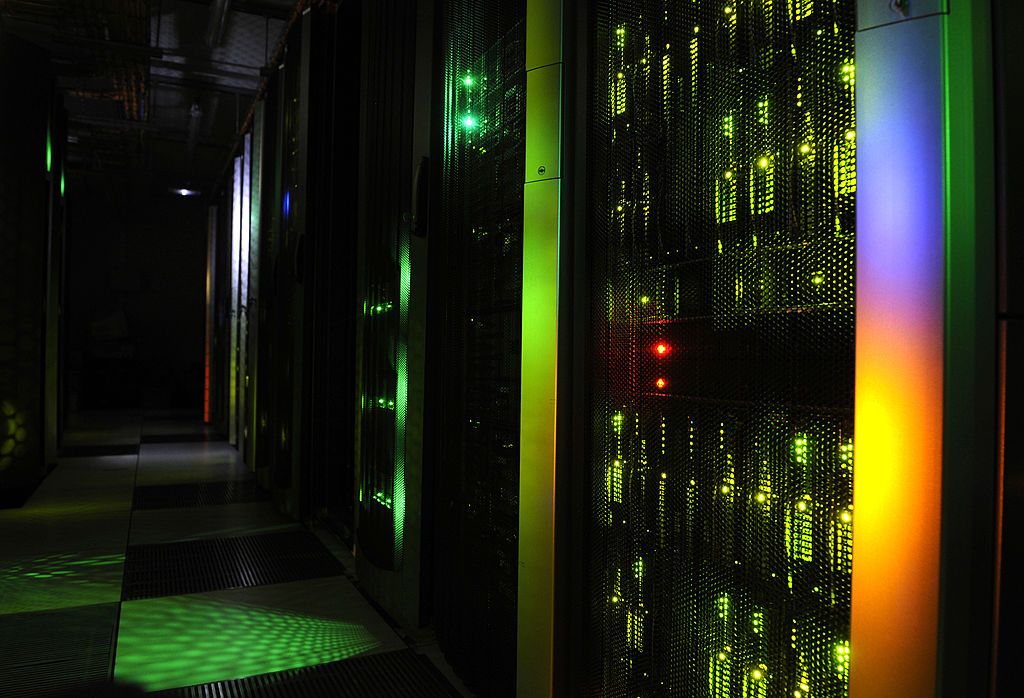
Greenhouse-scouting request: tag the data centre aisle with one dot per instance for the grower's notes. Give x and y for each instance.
(150, 556)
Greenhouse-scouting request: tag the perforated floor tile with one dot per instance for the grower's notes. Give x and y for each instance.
(198, 494)
(400, 674)
(225, 563)
(52, 652)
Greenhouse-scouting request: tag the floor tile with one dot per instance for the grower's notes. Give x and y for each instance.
(196, 566)
(47, 581)
(165, 464)
(399, 674)
(55, 652)
(197, 494)
(224, 521)
(199, 638)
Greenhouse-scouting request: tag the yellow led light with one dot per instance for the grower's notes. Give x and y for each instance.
(762, 163)
(850, 135)
(802, 506)
(757, 674)
(728, 10)
(725, 489)
(761, 497)
(664, 476)
(722, 656)
(645, 300)
(728, 174)
(804, 148)
(846, 516)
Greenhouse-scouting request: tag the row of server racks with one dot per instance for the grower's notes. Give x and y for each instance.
(642, 348)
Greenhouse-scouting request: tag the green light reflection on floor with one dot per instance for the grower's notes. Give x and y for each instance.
(60, 580)
(186, 640)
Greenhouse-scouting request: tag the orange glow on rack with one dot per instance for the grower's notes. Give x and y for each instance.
(661, 383)
(661, 348)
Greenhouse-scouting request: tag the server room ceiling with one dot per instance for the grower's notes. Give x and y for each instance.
(155, 90)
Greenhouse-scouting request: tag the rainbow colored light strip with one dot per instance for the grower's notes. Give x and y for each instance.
(901, 230)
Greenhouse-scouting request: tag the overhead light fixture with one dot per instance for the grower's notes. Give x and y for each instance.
(186, 192)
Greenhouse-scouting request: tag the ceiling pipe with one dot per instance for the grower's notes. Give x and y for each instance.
(218, 18)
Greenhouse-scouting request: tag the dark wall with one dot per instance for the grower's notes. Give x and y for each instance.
(136, 292)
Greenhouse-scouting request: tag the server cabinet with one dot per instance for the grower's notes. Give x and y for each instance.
(391, 287)
(480, 240)
(332, 311)
(267, 307)
(250, 365)
(31, 195)
(280, 389)
(723, 143)
(1010, 400)
(764, 275)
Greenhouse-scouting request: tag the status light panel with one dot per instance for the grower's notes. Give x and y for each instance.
(722, 193)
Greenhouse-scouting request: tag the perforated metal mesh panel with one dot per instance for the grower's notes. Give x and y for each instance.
(385, 275)
(482, 190)
(722, 200)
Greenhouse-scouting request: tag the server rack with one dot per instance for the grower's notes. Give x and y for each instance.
(250, 366)
(722, 236)
(391, 285)
(479, 261)
(1010, 399)
(720, 556)
(31, 199)
(267, 283)
(334, 130)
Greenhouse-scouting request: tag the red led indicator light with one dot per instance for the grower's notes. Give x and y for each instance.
(661, 383)
(661, 348)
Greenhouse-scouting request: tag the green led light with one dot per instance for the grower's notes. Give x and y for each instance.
(469, 122)
(469, 80)
(818, 278)
(62, 183)
(49, 151)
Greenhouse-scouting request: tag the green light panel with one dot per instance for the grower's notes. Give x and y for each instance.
(722, 149)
